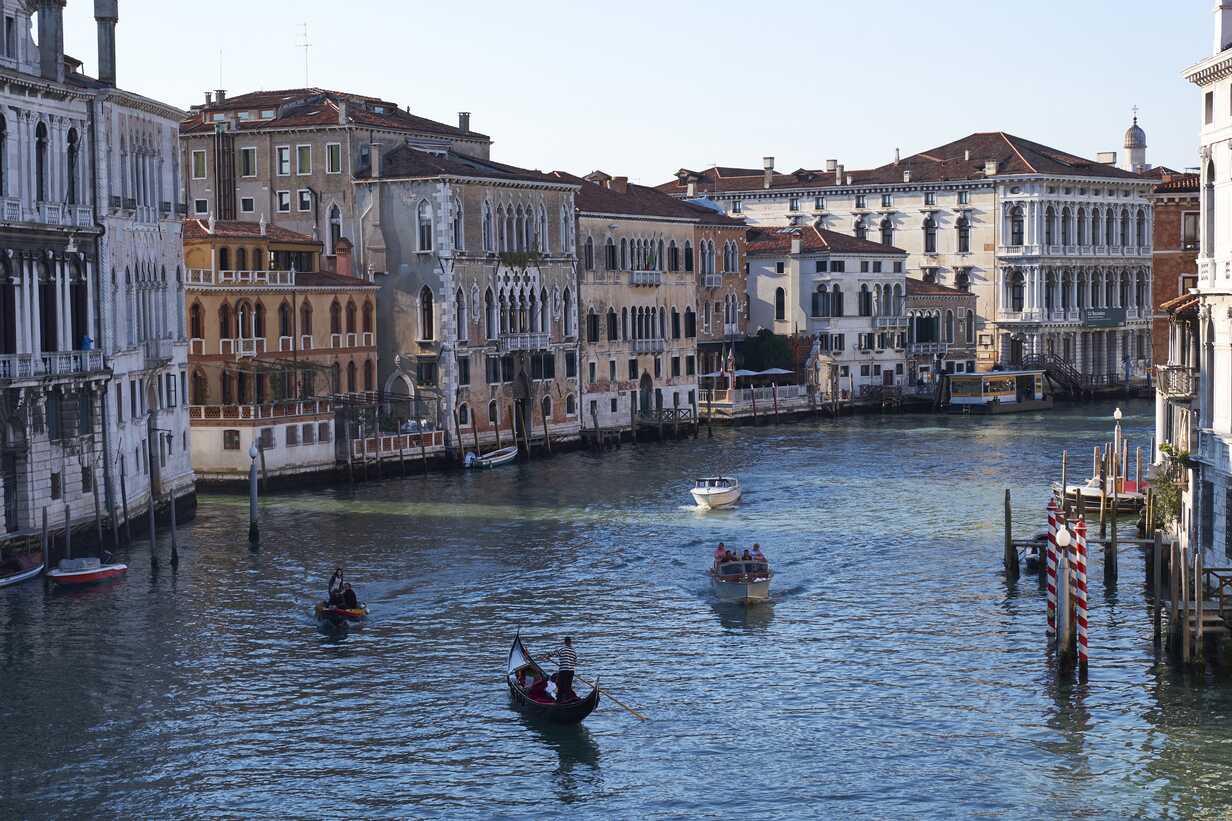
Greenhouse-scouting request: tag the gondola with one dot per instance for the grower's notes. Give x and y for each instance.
(533, 701)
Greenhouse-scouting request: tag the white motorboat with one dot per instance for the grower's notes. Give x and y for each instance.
(1129, 499)
(742, 582)
(494, 459)
(715, 492)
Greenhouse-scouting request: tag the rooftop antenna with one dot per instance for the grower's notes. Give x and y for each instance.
(220, 68)
(305, 45)
(1135, 110)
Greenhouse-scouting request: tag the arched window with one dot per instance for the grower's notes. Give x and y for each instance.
(489, 315)
(1124, 228)
(570, 405)
(464, 415)
(897, 308)
(1109, 290)
(887, 231)
(860, 230)
(284, 319)
(367, 318)
(487, 226)
(369, 379)
(690, 323)
(568, 310)
(224, 321)
(517, 227)
(459, 313)
(930, 235)
(964, 235)
(688, 255)
(40, 162)
(609, 255)
(611, 325)
(243, 320)
(71, 196)
(224, 385)
(624, 254)
(224, 259)
(970, 327)
(544, 323)
(780, 304)
(425, 226)
(456, 224)
(351, 313)
(1017, 235)
(1123, 294)
(546, 406)
(1017, 291)
(1065, 219)
(351, 377)
(1140, 229)
(426, 324)
(335, 231)
(258, 321)
(949, 326)
(836, 301)
(335, 318)
(673, 256)
(493, 414)
(1082, 227)
(1109, 228)
(588, 255)
(305, 319)
(1050, 226)
(241, 259)
(1095, 225)
(1208, 214)
(541, 239)
(196, 321)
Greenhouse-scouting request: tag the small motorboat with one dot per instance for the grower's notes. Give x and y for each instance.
(714, 492)
(329, 612)
(21, 567)
(530, 689)
(88, 570)
(743, 582)
(1129, 497)
(494, 459)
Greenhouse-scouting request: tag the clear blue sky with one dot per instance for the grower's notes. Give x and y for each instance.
(642, 88)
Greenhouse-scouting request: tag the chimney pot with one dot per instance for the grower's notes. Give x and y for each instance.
(767, 164)
(464, 121)
(850, 179)
(967, 155)
(106, 15)
(209, 98)
(796, 245)
(51, 40)
(830, 165)
(990, 168)
(838, 174)
(906, 175)
(691, 189)
(220, 94)
(896, 156)
(619, 184)
(1223, 26)
(343, 114)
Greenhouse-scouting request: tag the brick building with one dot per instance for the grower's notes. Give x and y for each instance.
(1174, 256)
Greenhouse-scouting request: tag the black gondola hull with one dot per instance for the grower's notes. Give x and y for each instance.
(571, 712)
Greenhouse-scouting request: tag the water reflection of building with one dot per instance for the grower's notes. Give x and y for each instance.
(93, 268)
(275, 343)
(478, 290)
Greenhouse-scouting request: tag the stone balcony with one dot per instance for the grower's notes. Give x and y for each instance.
(712, 281)
(927, 348)
(524, 342)
(204, 277)
(650, 278)
(1176, 381)
(53, 363)
(890, 322)
(649, 346)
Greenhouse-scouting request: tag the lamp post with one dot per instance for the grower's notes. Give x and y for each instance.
(254, 535)
(1116, 448)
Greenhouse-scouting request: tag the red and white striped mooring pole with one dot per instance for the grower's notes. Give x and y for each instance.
(1052, 566)
(1080, 594)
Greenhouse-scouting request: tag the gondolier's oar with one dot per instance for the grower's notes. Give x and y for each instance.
(608, 693)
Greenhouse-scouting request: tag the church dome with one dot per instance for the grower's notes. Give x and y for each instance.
(1135, 137)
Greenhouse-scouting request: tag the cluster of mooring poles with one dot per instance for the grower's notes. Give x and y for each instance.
(1198, 600)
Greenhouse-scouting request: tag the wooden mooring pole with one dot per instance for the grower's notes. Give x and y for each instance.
(1157, 598)
(98, 512)
(1011, 553)
(68, 532)
(175, 546)
(1103, 495)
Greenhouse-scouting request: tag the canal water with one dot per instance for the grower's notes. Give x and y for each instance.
(895, 675)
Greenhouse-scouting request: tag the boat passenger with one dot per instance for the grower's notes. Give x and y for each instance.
(349, 600)
(335, 586)
(746, 556)
(758, 556)
(719, 553)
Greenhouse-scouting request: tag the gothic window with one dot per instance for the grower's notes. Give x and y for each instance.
(71, 197)
(1109, 227)
(1065, 218)
(964, 235)
(861, 231)
(351, 314)
(1140, 228)
(369, 381)
(351, 377)
(1082, 227)
(367, 318)
(866, 301)
(224, 259)
(611, 325)
(224, 321)
(458, 243)
(241, 259)
(1095, 223)
(609, 255)
(258, 321)
(487, 226)
(459, 308)
(688, 255)
(780, 304)
(1017, 226)
(1017, 291)
(305, 319)
(624, 255)
(1050, 226)
(335, 318)
(836, 301)
(489, 315)
(40, 162)
(335, 229)
(284, 319)
(196, 322)
(426, 325)
(425, 226)
(930, 235)
(969, 327)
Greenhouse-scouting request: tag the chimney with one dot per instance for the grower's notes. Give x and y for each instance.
(220, 95)
(850, 179)
(830, 165)
(838, 174)
(106, 15)
(209, 98)
(464, 121)
(906, 175)
(619, 184)
(1106, 157)
(691, 189)
(1223, 26)
(990, 168)
(896, 156)
(767, 164)
(262, 223)
(375, 160)
(796, 246)
(51, 40)
(343, 113)
(967, 155)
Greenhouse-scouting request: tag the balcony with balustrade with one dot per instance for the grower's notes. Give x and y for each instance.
(649, 346)
(890, 322)
(511, 342)
(15, 367)
(1176, 381)
(648, 278)
(205, 278)
(712, 280)
(928, 348)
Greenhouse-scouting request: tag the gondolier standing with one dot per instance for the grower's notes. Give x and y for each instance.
(566, 662)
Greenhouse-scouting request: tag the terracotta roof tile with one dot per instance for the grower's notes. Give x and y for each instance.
(813, 240)
(1179, 184)
(918, 287)
(197, 229)
(405, 161)
(638, 200)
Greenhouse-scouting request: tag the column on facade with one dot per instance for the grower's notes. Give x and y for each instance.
(24, 344)
(91, 319)
(63, 315)
(36, 321)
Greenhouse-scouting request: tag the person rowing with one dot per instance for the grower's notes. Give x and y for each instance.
(349, 600)
(566, 663)
(335, 586)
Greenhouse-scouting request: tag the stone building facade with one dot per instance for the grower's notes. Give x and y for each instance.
(638, 272)
(274, 344)
(722, 289)
(476, 263)
(1023, 226)
(92, 362)
(291, 156)
(1174, 250)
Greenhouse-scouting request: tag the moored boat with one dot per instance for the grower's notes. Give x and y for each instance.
(528, 688)
(89, 570)
(741, 581)
(21, 567)
(495, 459)
(325, 610)
(714, 492)
(1129, 497)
